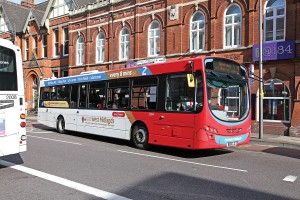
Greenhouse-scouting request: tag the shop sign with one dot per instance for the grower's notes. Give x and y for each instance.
(274, 51)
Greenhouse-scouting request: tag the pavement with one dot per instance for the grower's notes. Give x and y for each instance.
(266, 139)
(276, 140)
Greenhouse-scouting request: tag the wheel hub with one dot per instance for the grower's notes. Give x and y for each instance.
(140, 136)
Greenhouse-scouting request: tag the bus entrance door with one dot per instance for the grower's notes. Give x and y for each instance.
(173, 129)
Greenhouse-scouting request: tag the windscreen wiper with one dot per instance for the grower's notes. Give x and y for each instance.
(229, 76)
(213, 73)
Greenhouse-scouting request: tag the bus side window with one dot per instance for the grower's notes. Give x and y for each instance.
(74, 97)
(169, 104)
(82, 96)
(199, 94)
(44, 95)
(179, 96)
(96, 91)
(144, 93)
(117, 92)
(93, 99)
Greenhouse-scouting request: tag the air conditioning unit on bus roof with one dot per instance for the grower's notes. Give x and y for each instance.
(159, 60)
(53, 77)
(90, 72)
(151, 61)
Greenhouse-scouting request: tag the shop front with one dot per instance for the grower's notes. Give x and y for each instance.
(278, 87)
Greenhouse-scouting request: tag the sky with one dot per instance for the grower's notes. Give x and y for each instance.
(19, 1)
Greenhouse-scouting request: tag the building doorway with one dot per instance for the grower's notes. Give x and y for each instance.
(34, 93)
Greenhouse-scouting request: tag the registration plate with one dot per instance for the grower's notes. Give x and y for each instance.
(231, 144)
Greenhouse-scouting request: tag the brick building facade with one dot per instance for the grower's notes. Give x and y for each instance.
(110, 34)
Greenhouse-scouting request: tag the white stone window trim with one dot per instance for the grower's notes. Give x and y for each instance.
(154, 30)
(274, 8)
(124, 40)
(199, 30)
(101, 42)
(80, 51)
(232, 27)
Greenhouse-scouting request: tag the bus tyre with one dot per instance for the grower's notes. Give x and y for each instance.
(140, 137)
(61, 125)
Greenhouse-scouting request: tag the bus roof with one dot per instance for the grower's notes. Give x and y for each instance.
(143, 70)
(8, 44)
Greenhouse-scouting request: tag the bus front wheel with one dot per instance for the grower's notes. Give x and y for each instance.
(61, 125)
(140, 137)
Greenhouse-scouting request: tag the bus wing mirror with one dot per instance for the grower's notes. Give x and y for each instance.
(243, 71)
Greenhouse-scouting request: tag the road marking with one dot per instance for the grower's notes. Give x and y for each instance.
(28, 130)
(290, 178)
(65, 182)
(54, 140)
(183, 161)
(32, 131)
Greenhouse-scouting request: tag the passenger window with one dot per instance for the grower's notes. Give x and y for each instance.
(44, 96)
(144, 93)
(63, 92)
(97, 95)
(118, 94)
(45, 93)
(53, 95)
(82, 96)
(179, 96)
(74, 96)
(199, 94)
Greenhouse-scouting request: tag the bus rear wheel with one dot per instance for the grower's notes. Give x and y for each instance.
(61, 125)
(140, 136)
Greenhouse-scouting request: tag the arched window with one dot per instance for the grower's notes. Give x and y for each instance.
(80, 51)
(276, 102)
(154, 39)
(100, 47)
(124, 44)
(275, 20)
(233, 26)
(197, 32)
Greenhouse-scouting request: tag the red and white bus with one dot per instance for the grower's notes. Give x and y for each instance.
(197, 103)
(12, 102)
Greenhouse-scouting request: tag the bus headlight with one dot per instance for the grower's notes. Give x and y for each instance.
(210, 129)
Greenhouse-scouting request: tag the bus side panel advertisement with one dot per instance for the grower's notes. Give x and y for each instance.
(56, 104)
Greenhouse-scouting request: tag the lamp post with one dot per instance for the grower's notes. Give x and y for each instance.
(261, 92)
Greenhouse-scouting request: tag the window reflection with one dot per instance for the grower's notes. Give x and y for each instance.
(276, 103)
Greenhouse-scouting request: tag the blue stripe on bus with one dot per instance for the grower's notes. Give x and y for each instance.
(76, 79)
(144, 71)
(226, 139)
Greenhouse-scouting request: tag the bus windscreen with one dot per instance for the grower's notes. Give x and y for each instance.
(227, 90)
(8, 73)
(225, 66)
